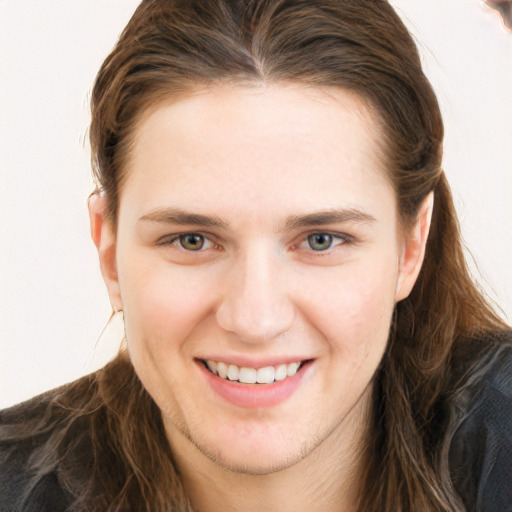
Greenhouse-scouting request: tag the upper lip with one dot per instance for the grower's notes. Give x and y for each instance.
(242, 361)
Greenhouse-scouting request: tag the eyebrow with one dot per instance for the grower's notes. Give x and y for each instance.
(178, 216)
(331, 216)
(319, 218)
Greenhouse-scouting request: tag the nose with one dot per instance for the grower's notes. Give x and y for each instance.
(256, 305)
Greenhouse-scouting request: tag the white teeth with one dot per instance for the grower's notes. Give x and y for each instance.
(212, 365)
(233, 372)
(245, 375)
(280, 372)
(291, 370)
(222, 370)
(265, 375)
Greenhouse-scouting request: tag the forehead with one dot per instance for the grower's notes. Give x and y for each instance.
(269, 145)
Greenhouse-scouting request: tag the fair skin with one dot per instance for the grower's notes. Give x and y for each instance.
(293, 255)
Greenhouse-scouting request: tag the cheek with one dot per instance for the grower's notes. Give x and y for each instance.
(355, 313)
(163, 303)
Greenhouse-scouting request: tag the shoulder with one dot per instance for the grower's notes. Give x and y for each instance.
(481, 448)
(21, 491)
(31, 450)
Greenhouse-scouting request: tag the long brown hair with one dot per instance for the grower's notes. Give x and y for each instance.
(172, 47)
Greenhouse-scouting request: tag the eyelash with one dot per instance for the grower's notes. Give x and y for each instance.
(343, 239)
(176, 240)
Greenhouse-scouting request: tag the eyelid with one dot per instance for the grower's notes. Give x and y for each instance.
(343, 237)
(175, 237)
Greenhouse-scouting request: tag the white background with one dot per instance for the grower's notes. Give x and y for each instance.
(52, 301)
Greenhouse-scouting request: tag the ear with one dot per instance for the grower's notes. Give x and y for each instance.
(104, 238)
(413, 250)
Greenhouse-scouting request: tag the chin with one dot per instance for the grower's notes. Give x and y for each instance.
(251, 465)
(257, 453)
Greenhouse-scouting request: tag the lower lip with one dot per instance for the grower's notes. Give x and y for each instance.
(253, 396)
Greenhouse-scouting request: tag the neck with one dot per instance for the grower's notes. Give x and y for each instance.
(327, 479)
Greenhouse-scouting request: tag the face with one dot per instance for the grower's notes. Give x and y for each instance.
(257, 236)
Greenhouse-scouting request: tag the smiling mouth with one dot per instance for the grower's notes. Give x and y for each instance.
(247, 375)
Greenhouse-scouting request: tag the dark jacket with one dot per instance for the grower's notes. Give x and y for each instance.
(480, 455)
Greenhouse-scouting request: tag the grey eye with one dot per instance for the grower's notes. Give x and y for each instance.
(320, 241)
(192, 242)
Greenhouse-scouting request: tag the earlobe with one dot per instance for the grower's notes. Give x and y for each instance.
(413, 251)
(104, 238)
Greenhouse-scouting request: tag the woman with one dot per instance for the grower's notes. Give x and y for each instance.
(301, 330)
